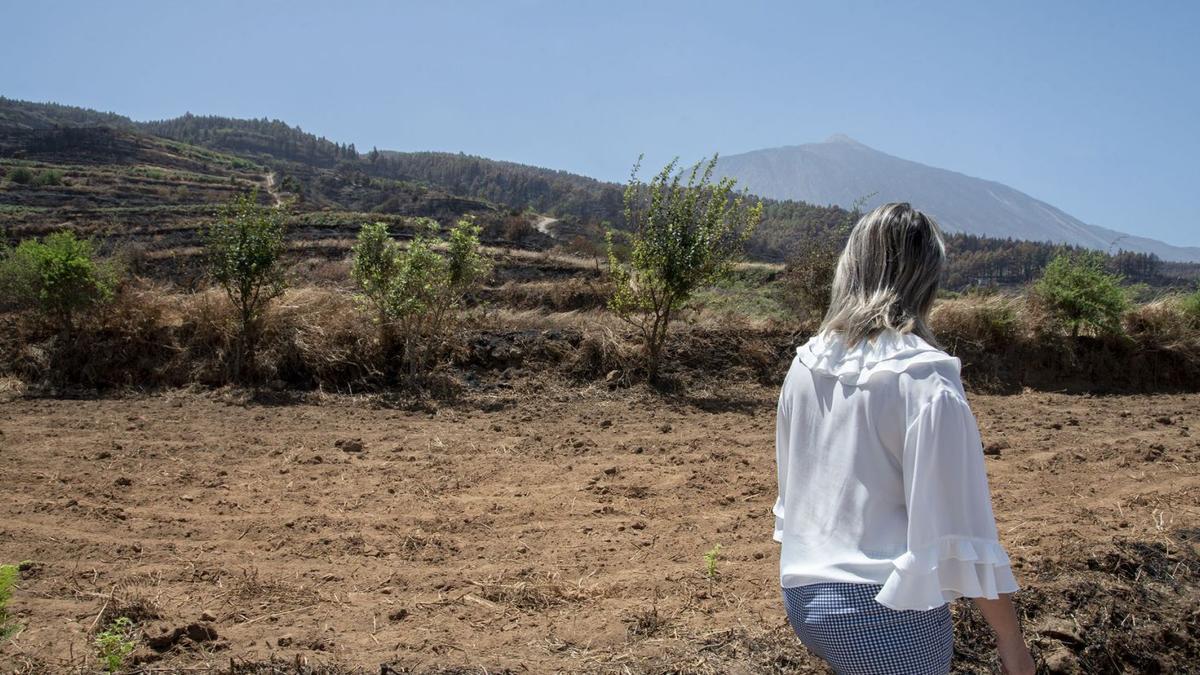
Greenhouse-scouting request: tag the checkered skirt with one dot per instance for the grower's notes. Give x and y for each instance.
(843, 624)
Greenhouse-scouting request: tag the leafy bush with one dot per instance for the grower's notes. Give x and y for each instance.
(1079, 293)
(114, 645)
(683, 236)
(1191, 308)
(49, 177)
(412, 292)
(243, 246)
(59, 276)
(20, 176)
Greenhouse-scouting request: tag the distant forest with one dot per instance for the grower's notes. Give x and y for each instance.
(588, 204)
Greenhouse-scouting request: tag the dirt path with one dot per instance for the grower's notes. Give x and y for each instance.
(543, 223)
(272, 185)
(538, 533)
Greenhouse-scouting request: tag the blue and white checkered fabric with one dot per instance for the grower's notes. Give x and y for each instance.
(843, 624)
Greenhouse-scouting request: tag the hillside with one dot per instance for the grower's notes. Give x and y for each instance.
(156, 182)
(842, 170)
(105, 176)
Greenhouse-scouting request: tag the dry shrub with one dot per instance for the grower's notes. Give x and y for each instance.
(985, 322)
(602, 351)
(314, 336)
(1007, 342)
(528, 591)
(132, 602)
(1165, 323)
(646, 623)
(249, 589)
(319, 271)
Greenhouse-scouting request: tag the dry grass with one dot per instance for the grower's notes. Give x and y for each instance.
(315, 338)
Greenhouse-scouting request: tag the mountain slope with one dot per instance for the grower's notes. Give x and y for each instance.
(842, 170)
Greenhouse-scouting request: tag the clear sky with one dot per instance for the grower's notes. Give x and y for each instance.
(1091, 105)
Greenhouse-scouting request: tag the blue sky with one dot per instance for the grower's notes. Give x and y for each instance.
(1092, 106)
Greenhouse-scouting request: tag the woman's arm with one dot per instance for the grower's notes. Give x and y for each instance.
(1002, 617)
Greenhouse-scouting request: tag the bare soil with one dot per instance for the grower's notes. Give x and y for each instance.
(533, 529)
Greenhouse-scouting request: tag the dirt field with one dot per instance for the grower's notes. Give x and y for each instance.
(531, 530)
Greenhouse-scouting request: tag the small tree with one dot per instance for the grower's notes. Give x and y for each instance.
(683, 236)
(414, 291)
(244, 245)
(376, 258)
(808, 276)
(59, 276)
(1080, 293)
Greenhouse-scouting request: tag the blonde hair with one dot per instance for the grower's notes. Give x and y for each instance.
(887, 276)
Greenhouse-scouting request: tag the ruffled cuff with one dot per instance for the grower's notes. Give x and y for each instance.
(952, 567)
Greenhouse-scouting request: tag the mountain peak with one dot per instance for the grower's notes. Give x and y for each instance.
(841, 170)
(842, 138)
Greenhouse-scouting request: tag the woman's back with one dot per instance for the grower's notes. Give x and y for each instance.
(880, 464)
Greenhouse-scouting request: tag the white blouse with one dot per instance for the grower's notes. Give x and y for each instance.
(881, 475)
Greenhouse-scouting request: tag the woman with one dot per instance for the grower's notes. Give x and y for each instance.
(884, 514)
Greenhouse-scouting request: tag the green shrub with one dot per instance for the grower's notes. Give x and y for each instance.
(59, 276)
(8, 579)
(710, 561)
(412, 291)
(1079, 293)
(20, 176)
(243, 247)
(683, 236)
(1191, 308)
(115, 644)
(48, 177)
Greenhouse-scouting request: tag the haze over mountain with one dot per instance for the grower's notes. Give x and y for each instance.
(841, 170)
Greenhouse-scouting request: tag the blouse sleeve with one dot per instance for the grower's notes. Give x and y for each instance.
(782, 451)
(953, 548)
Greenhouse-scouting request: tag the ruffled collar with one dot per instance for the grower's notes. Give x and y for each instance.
(891, 351)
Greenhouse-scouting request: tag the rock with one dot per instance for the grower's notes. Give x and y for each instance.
(665, 428)
(994, 448)
(1061, 662)
(200, 632)
(123, 482)
(398, 615)
(1059, 629)
(196, 632)
(284, 641)
(207, 616)
(350, 445)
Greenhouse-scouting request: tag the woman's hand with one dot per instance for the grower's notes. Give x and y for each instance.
(1015, 658)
